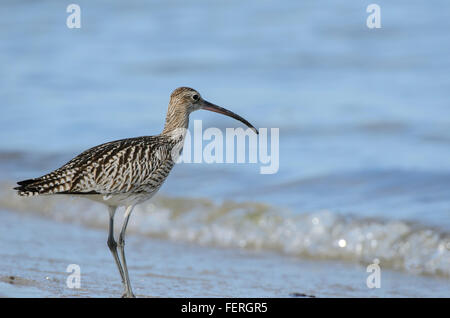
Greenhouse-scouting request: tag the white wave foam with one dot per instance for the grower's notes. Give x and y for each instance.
(320, 234)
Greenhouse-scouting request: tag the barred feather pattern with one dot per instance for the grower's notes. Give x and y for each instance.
(134, 167)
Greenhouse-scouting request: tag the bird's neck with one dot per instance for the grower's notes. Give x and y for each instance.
(177, 123)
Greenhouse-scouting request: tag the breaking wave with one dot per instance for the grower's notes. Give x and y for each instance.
(322, 234)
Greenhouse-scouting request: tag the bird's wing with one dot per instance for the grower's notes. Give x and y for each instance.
(121, 166)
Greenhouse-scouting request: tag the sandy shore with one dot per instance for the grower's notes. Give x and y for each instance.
(35, 253)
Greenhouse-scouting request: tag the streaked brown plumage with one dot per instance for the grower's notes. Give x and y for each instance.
(126, 172)
(129, 166)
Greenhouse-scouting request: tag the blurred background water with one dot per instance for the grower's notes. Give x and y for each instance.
(364, 114)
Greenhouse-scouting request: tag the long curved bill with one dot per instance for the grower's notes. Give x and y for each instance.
(217, 109)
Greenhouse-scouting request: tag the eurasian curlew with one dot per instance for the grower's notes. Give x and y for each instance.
(126, 172)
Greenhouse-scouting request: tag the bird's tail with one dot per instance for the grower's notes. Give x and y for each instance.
(28, 188)
(36, 186)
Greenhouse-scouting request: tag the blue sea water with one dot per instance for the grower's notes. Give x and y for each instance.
(364, 114)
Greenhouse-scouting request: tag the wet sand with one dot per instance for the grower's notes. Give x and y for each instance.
(35, 253)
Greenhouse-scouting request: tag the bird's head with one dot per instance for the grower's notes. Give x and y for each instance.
(185, 100)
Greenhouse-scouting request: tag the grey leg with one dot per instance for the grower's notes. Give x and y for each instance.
(129, 292)
(112, 243)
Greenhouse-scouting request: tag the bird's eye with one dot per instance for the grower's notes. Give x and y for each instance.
(195, 97)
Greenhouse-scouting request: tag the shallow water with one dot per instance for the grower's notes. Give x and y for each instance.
(363, 115)
(317, 235)
(35, 256)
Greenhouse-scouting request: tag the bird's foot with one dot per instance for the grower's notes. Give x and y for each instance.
(128, 295)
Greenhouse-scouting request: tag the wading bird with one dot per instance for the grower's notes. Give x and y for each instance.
(126, 172)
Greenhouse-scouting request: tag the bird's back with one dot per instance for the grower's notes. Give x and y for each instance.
(134, 165)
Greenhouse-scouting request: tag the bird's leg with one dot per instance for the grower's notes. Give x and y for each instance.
(112, 243)
(129, 292)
